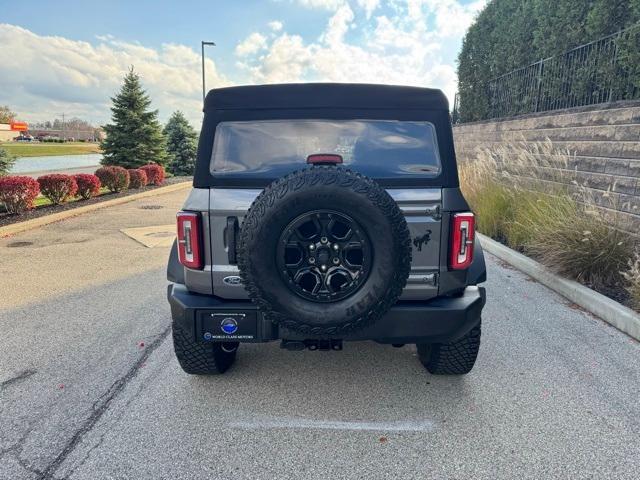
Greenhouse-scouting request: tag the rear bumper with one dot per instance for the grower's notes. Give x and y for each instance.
(439, 320)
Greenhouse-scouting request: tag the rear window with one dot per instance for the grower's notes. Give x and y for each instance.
(377, 148)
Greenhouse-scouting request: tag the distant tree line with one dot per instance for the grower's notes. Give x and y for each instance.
(509, 34)
(70, 124)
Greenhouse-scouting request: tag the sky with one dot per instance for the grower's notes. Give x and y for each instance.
(69, 56)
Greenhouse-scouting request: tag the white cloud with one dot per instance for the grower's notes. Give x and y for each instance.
(44, 76)
(325, 4)
(452, 18)
(275, 25)
(369, 6)
(338, 26)
(410, 46)
(286, 61)
(413, 42)
(250, 45)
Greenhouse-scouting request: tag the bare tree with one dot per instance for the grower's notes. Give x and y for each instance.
(6, 114)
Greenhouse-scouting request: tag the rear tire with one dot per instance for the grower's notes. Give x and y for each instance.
(199, 358)
(455, 358)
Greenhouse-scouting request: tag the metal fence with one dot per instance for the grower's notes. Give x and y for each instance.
(602, 71)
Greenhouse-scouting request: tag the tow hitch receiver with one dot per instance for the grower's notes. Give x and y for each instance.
(324, 345)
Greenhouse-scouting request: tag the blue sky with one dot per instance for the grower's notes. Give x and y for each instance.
(69, 56)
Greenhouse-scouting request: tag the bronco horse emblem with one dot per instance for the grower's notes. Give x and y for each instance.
(422, 239)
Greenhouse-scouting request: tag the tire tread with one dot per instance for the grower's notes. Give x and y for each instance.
(357, 183)
(200, 358)
(455, 358)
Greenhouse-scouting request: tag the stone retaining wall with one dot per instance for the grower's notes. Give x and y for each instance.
(604, 139)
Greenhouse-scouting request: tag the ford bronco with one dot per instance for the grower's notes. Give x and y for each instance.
(326, 213)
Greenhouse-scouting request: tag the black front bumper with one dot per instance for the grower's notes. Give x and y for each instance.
(439, 320)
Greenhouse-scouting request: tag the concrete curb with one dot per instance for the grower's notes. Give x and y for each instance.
(610, 311)
(74, 212)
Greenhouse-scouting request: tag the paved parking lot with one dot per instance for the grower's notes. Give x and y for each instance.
(89, 387)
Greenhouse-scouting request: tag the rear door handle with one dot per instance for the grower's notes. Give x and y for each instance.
(231, 234)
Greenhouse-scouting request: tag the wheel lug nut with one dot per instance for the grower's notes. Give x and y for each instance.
(336, 247)
(323, 268)
(312, 260)
(324, 240)
(336, 260)
(312, 247)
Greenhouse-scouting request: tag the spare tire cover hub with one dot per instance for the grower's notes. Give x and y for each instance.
(324, 255)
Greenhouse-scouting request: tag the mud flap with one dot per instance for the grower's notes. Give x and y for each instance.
(477, 272)
(175, 270)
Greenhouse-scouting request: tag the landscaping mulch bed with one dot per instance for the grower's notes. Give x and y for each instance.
(8, 219)
(614, 292)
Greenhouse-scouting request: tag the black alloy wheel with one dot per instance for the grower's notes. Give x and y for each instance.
(324, 256)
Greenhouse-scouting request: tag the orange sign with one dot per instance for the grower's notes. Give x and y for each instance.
(19, 126)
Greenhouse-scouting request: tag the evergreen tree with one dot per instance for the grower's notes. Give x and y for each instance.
(609, 16)
(181, 144)
(511, 34)
(561, 26)
(135, 137)
(6, 161)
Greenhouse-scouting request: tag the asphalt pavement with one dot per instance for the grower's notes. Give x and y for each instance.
(90, 389)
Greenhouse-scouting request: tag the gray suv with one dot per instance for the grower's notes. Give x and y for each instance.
(324, 213)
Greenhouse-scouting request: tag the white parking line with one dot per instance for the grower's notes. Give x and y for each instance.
(293, 423)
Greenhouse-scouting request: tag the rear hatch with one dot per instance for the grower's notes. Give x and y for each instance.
(421, 208)
(386, 150)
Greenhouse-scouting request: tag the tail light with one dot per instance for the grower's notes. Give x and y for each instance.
(189, 239)
(461, 246)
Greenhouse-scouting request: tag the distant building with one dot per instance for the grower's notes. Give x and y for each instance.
(8, 131)
(92, 135)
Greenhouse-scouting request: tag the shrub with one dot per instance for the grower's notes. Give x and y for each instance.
(115, 179)
(573, 239)
(18, 193)
(6, 161)
(491, 201)
(58, 188)
(494, 210)
(632, 278)
(521, 197)
(155, 173)
(138, 178)
(88, 185)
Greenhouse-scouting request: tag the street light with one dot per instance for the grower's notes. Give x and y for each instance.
(203, 43)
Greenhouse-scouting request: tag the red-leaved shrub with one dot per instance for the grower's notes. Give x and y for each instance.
(18, 193)
(115, 179)
(88, 185)
(138, 178)
(155, 173)
(58, 187)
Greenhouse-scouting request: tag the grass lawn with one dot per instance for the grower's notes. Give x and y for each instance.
(48, 149)
(43, 201)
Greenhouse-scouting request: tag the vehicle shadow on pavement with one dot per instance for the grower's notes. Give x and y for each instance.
(366, 382)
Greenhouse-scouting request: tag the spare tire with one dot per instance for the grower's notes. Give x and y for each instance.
(324, 251)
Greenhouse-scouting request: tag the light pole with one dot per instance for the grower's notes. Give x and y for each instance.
(203, 43)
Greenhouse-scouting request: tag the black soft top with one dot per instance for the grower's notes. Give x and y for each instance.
(334, 101)
(325, 95)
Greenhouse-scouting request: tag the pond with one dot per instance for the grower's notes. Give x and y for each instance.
(55, 162)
